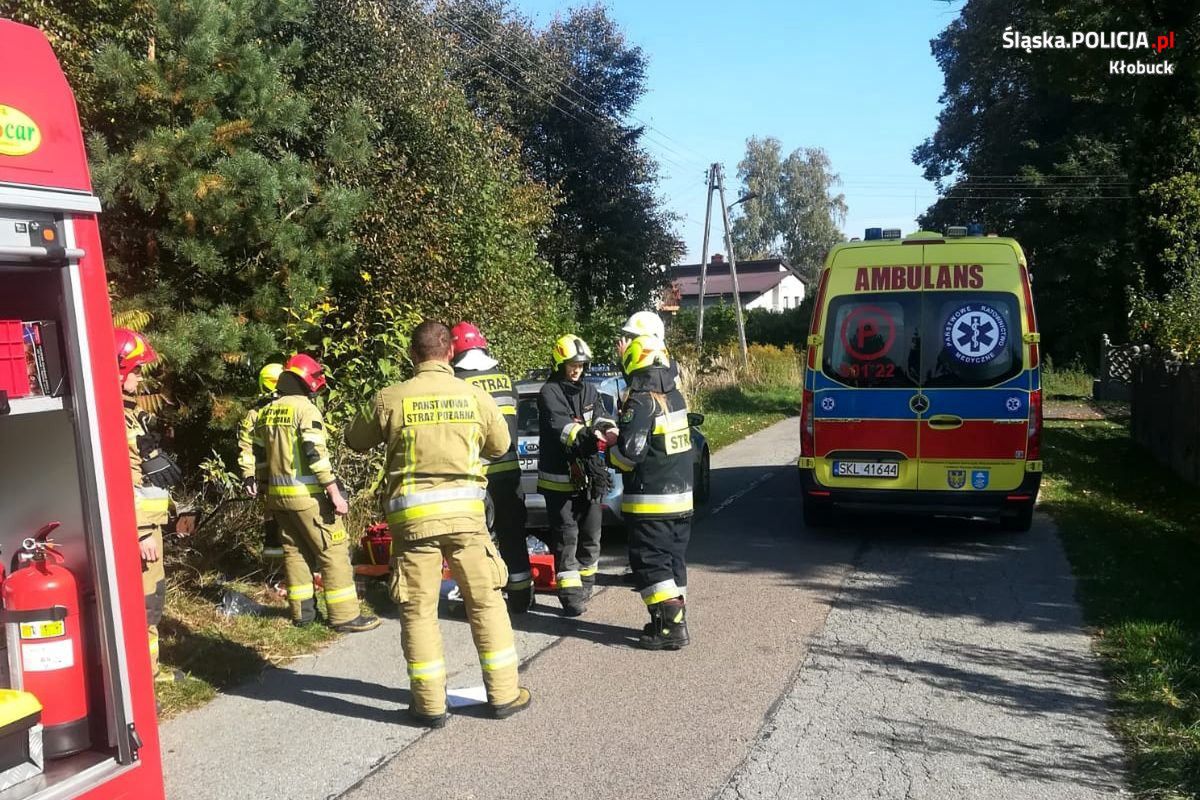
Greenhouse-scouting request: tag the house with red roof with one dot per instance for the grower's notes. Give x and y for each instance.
(769, 283)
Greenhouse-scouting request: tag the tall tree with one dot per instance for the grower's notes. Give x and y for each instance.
(214, 225)
(1051, 148)
(453, 220)
(794, 213)
(565, 93)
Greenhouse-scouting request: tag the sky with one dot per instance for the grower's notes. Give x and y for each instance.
(855, 77)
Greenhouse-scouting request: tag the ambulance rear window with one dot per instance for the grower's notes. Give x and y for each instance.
(970, 339)
(871, 340)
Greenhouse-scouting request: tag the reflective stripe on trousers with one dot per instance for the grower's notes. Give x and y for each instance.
(658, 592)
(656, 503)
(491, 661)
(519, 580)
(569, 579)
(426, 670)
(345, 594)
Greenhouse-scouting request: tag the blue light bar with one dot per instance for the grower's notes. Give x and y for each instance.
(873, 234)
(975, 229)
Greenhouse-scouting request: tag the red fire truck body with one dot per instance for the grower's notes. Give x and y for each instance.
(63, 453)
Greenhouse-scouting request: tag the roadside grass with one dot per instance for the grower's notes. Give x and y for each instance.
(733, 412)
(1070, 382)
(1129, 529)
(216, 651)
(739, 400)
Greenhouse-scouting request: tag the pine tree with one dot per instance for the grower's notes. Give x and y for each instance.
(214, 225)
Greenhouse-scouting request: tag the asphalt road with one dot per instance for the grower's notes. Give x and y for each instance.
(875, 660)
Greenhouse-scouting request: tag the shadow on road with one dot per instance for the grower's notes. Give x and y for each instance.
(942, 588)
(329, 694)
(548, 621)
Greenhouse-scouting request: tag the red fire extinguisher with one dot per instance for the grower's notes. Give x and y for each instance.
(45, 643)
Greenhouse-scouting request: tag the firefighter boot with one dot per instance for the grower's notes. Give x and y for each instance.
(516, 706)
(308, 613)
(588, 576)
(669, 632)
(433, 722)
(574, 601)
(571, 593)
(359, 624)
(519, 600)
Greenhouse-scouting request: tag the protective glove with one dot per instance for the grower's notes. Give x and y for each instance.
(599, 478)
(159, 470)
(250, 486)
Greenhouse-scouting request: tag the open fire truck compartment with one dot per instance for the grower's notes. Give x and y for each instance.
(63, 454)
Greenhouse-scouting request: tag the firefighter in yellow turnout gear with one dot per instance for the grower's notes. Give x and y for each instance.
(304, 497)
(436, 429)
(268, 378)
(152, 472)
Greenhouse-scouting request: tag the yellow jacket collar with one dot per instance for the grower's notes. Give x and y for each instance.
(435, 366)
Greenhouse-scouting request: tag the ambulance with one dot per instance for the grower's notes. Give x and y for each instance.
(922, 390)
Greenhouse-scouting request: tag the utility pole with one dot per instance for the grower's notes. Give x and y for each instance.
(737, 294)
(704, 260)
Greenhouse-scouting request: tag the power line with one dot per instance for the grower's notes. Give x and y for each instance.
(592, 107)
(527, 87)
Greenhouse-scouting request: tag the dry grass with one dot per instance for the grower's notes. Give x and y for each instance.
(217, 651)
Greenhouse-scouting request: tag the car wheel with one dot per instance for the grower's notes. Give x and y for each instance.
(702, 480)
(818, 515)
(1019, 521)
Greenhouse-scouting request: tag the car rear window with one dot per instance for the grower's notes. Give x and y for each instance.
(871, 340)
(527, 416)
(970, 339)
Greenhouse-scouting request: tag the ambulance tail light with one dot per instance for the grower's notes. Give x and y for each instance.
(807, 440)
(1033, 448)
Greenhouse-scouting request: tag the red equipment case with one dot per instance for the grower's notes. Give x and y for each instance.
(66, 458)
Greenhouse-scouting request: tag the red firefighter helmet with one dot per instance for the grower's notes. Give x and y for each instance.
(133, 350)
(308, 369)
(466, 336)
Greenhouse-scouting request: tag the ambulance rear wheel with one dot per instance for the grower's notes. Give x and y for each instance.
(1019, 521)
(818, 515)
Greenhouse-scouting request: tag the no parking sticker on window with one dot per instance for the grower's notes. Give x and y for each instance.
(976, 333)
(868, 333)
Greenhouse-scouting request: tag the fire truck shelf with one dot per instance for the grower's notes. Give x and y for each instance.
(64, 778)
(34, 405)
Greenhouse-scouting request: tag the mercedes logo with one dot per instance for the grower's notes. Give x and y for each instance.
(919, 403)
